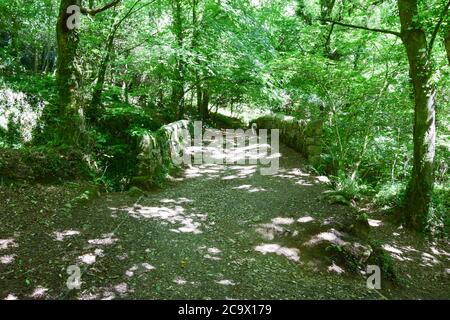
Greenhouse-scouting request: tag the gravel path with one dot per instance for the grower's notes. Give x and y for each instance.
(212, 234)
(215, 232)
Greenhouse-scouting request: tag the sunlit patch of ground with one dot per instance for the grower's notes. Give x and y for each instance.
(177, 216)
(91, 258)
(7, 259)
(138, 269)
(212, 253)
(226, 282)
(106, 239)
(111, 292)
(290, 253)
(11, 297)
(305, 219)
(7, 243)
(60, 236)
(331, 236)
(335, 268)
(39, 292)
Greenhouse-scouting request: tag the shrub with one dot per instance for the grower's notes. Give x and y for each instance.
(390, 194)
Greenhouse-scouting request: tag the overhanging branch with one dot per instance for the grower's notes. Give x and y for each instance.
(438, 26)
(395, 33)
(93, 12)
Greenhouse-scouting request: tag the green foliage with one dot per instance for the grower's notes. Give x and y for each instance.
(115, 144)
(390, 194)
(42, 164)
(11, 137)
(25, 103)
(221, 121)
(440, 215)
(351, 189)
(160, 175)
(266, 56)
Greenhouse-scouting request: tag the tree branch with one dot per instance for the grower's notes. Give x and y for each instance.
(93, 12)
(436, 29)
(395, 33)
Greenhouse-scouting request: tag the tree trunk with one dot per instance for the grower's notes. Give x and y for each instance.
(67, 76)
(93, 111)
(194, 46)
(178, 82)
(326, 10)
(204, 106)
(36, 64)
(126, 83)
(199, 95)
(447, 43)
(419, 192)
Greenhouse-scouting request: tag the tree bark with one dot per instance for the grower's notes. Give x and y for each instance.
(204, 106)
(67, 75)
(420, 188)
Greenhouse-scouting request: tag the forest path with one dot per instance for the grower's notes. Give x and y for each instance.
(216, 231)
(213, 234)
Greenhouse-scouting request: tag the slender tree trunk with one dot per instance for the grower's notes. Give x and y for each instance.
(126, 82)
(96, 101)
(36, 64)
(326, 10)
(204, 106)
(418, 199)
(199, 96)
(447, 42)
(93, 111)
(178, 83)
(327, 47)
(160, 100)
(15, 42)
(369, 126)
(202, 98)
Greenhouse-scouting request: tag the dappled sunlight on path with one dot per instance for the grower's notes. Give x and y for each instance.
(218, 231)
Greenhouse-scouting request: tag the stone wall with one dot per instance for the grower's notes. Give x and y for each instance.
(301, 135)
(155, 159)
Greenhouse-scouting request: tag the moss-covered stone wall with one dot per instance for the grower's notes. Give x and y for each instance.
(155, 159)
(301, 135)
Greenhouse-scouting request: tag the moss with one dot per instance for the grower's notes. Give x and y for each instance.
(225, 122)
(144, 182)
(160, 175)
(135, 192)
(43, 164)
(382, 259)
